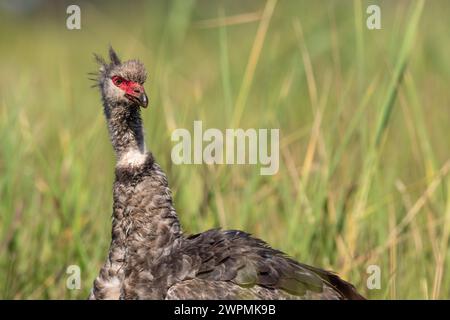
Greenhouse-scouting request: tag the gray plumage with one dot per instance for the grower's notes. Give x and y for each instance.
(151, 258)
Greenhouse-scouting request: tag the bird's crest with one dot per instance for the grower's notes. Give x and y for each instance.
(132, 69)
(113, 56)
(104, 66)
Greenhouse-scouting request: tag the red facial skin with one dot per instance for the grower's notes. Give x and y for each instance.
(133, 90)
(130, 87)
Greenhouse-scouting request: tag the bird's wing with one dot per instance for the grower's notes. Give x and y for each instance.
(202, 289)
(248, 267)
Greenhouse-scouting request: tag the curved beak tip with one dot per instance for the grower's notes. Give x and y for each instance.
(144, 100)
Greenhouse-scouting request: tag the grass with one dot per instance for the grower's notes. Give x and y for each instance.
(363, 117)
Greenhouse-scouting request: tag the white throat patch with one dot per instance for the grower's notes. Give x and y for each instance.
(132, 158)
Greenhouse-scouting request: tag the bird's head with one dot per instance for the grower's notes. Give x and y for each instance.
(122, 83)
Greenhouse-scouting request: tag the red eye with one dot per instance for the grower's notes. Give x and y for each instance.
(117, 80)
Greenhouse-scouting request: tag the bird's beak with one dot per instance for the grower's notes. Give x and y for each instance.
(136, 93)
(143, 100)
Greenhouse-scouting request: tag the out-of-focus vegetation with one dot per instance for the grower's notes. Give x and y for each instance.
(364, 124)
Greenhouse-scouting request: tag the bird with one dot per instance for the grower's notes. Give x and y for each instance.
(150, 257)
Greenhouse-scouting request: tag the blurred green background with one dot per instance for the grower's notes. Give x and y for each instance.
(364, 133)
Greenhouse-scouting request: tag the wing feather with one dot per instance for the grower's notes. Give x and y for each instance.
(233, 260)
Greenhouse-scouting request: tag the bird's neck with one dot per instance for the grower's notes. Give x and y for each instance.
(126, 133)
(142, 195)
(145, 223)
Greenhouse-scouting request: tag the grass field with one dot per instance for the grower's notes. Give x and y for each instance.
(364, 125)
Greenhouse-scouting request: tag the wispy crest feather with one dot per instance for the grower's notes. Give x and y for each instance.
(104, 66)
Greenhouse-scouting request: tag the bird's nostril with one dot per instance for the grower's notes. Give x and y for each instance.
(137, 90)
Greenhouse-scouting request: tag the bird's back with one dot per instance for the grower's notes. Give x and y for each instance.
(233, 265)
